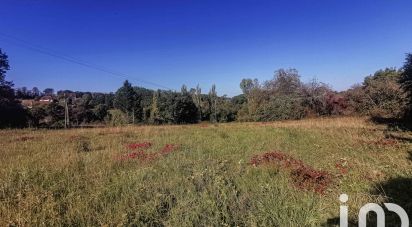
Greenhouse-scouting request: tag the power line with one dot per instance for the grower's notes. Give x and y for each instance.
(22, 43)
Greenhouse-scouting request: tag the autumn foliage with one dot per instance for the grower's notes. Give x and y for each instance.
(142, 155)
(303, 176)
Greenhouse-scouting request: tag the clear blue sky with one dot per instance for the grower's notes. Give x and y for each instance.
(189, 42)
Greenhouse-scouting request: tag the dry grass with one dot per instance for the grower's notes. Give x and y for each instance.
(72, 177)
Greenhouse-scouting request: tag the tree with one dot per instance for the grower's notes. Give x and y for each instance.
(154, 111)
(100, 112)
(6, 87)
(278, 98)
(280, 108)
(37, 116)
(48, 91)
(197, 99)
(285, 82)
(185, 110)
(12, 113)
(384, 94)
(35, 92)
(183, 90)
(319, 99)
(55, 115)
(213, 104)
(127, 101)
(406, 79)
(23, 93)
(247, 85)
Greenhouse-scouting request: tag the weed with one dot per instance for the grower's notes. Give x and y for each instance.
(83, 145)
(304, 176)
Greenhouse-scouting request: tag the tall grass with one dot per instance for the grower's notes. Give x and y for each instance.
(72, 177)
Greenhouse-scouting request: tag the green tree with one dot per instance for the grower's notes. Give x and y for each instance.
(406, 80)
(197, 99)
(116, 117)
(127, 101)
(213, 103)
(247, 85)
(285, 82)
(154, 111)
(184, 109)
(384, 94)
(100, 112)
(12, 113)
(55, 115)
(48, 91)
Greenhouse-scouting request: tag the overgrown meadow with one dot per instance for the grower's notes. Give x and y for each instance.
(287, 173)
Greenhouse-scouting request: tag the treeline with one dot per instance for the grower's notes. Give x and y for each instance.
(386, 93)
(287, 97)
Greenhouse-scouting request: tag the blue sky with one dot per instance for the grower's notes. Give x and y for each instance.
(203, 42)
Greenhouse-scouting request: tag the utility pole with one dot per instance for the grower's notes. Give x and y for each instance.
(133, 115)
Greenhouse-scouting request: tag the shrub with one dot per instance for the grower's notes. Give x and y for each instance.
(280, 108)
(303, 176)
(117, 118)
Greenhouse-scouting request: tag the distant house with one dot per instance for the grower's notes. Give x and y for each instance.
(46, 99)
(27, 103)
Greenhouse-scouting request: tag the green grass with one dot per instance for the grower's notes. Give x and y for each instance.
(72, 177)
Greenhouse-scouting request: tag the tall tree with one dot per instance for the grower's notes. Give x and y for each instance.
(48, 91)
(248, 84)
(183, 90)
(6, 87)
(213, 104)
(35, 92)
(197, 99)
(154, 111)
(406, 79)
(127, 100)
(11, 112)
(285, 82)
(184, 109)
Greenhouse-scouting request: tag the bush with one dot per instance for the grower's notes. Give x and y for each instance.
(116, 118)
(280, 108)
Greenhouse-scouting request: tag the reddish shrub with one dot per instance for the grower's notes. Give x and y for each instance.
(139, 155)
(343, 166)
(386, 142)
(25, 138)
(382, 142)
(168, 148)
(144, 156)
(134, 146)
(307, 178)
(275, 157)
(304, 176)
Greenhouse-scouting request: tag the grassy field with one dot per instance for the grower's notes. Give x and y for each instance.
(200, 175)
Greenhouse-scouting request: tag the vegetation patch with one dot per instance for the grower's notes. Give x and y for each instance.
(389, 142)
(24, 138)
(83, 145)
(134, 146)
(342, 166)
(144, 156)
(303, 176)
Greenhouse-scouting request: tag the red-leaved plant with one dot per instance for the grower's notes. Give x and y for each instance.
(142, 155)
(134, 146)
(303, 176)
